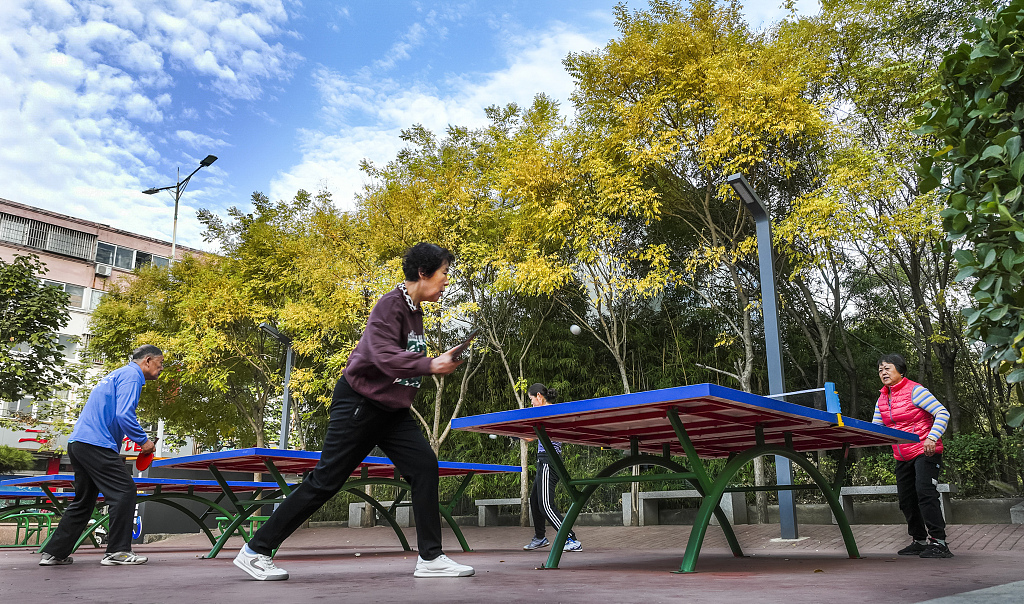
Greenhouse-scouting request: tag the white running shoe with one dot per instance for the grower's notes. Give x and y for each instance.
(51, 560)
(259, 567)
(572, 545)
(442, 566)
(123, 559)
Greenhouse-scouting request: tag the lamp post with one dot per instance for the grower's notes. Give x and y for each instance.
(177, 189)
(287, 342)
(773, 348)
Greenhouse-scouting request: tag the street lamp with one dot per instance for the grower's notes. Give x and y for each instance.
(287, 343)
(177, 189)
(773, 348)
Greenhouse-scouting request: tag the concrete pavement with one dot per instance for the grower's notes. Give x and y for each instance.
(618, 564)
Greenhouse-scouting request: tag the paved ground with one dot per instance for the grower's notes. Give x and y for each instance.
(618, 564)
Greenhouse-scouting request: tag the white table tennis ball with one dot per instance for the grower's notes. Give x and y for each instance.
(575, 329)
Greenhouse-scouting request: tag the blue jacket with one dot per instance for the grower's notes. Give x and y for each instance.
(109, 414)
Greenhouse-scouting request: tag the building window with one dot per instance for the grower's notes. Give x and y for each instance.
(86, 354)
(126, 258)
(76, 293)
(105, 253)
(70, 344)
(14, 229)
(97, 296)
(45, 236)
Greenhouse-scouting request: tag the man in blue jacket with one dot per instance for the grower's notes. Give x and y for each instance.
(94, 448)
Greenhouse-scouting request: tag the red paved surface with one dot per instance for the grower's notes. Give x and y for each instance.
(618, 564)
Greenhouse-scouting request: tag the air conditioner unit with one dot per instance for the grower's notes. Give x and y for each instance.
(103, 270)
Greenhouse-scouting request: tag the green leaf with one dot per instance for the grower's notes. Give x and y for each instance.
(1015, 417)
(992, 151)
(964, 273)
(990, 257)
(1015, 376)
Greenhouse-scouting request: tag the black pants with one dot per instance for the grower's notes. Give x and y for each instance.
(97, 470)
(356, 426)
(542, 498)
(916, 482)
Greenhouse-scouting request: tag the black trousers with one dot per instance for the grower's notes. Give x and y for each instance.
(916, 482)
(97, 470)
(355, 427)
(542, 498)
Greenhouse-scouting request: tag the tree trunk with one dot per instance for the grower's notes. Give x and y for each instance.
(524, 483)
(368, 512)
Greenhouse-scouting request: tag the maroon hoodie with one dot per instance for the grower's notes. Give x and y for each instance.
(390, 359)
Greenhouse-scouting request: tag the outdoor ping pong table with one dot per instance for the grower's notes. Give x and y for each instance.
(166, 491)
(702, 421)
(371, 471)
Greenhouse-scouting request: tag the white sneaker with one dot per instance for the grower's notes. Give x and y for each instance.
(572, 545)
(442, 566)
(260, 567)
(51, 560)
(123, 559)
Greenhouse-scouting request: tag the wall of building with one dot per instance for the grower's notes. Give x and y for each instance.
(74, 253)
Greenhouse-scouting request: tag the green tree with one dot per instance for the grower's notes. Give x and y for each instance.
(976, 119)
(31, 359)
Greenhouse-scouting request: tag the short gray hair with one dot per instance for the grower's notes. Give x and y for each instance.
(146, 350)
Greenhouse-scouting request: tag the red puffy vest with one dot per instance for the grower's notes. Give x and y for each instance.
(898, 411)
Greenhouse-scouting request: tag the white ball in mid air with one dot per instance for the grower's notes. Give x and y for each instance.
(575, 329)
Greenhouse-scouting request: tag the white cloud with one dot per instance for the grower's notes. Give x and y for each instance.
(199, 141)
(400, 50)
(364, 114)
(89, 87)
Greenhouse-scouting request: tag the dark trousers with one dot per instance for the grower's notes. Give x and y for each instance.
(916, 482)
(356, 426)
(542, 498)
(97, 470)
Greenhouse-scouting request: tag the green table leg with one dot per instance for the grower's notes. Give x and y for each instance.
(720, 485)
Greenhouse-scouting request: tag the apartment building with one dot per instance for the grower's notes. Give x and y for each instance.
(84, 258)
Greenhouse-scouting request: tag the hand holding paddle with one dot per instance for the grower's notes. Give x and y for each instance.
(146, 456)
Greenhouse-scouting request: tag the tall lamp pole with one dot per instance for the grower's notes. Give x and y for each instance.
(177, 189)
(773, 347)
(287, 342)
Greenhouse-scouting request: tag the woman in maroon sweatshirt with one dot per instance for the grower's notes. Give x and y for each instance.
(371, 407)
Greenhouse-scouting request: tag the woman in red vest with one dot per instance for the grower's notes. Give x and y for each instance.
(909, 406)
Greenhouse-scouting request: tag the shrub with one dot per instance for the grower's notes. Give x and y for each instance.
(13, 460)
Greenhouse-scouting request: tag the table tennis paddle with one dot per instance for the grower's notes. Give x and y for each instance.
(459, 352)
(143, 460)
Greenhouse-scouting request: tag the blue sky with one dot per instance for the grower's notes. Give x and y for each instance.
(104, 98)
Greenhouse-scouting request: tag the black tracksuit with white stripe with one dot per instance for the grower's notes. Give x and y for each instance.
(542, 497)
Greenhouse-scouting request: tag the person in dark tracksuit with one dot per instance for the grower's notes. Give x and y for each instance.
(94, 448)
(542, 497)
(371, 407)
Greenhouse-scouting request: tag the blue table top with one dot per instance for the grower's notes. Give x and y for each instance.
(717, 419)
(252, 459)
(167, 485)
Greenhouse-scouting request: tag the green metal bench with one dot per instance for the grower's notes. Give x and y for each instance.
(245, 530)
(30, 528)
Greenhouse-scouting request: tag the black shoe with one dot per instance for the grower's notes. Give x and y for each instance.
(914, 549)
(934, 549)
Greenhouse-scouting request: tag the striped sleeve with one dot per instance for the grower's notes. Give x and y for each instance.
(922, 398)
(877, 417)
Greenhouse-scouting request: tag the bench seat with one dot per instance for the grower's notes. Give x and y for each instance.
(487, 510)
(733, 504)
(402, 515)
(846, 495)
